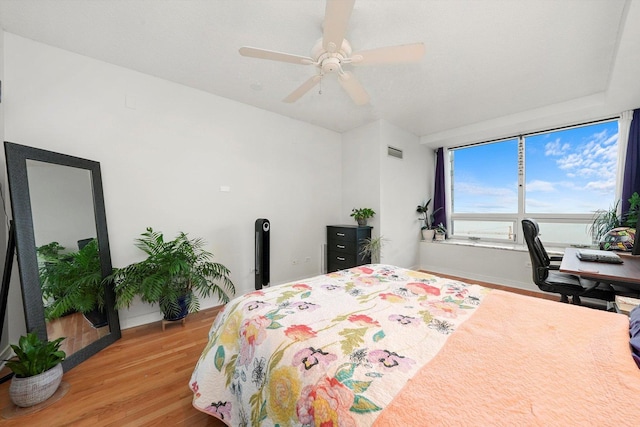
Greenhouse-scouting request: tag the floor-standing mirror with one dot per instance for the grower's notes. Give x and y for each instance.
(63, 249)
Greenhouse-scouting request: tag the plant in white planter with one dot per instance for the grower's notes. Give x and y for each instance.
(37, 368)
(426, 219)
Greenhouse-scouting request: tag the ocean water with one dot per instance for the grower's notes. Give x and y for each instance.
(551, 233)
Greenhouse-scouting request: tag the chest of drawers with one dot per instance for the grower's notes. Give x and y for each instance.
(344, 244)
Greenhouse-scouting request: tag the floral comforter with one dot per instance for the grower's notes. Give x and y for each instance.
(331, 350)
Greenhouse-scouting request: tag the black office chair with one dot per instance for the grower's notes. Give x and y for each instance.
(548, 279)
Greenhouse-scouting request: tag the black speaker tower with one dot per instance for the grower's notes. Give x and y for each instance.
(262, 252)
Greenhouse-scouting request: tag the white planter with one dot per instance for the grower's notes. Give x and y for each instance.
(427, 235)
(25, 392)
(440, 237)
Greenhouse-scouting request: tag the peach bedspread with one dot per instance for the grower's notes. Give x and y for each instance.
(523, 361)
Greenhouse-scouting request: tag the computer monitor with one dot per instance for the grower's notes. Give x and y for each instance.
(636, 242)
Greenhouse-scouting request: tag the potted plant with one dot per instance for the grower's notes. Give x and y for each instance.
(172, 275)
(361, 215)
(371, 247)
(441, 232)
(72, 282)
(37, 368)
(606, 220)
(426, 220)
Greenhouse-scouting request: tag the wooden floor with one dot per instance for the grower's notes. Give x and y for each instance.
(77, 331)
(141, 380)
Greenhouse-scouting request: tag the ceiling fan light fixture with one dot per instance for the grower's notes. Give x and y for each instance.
(331, 65)
(333, 50)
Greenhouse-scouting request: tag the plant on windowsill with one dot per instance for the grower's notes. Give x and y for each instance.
(174, 273)
(441, 232)
(361, 215)
(426, 220)
(37, 368)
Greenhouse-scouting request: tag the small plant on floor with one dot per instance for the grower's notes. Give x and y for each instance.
(34, 356)
(371, 247)
(37, 368)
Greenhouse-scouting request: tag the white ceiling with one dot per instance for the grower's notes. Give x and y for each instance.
(485, 59)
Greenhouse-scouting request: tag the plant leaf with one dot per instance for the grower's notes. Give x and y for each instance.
(219, 358)
(363, 405)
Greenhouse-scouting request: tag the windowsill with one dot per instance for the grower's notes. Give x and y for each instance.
(494, 245)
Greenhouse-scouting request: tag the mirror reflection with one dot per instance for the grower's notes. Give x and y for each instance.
(66, 243)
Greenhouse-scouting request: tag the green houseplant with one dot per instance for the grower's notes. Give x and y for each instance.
(174, 273)
(37, 368)
(371, 247)
(72, 282)
(605, 220)
(361, 215)
(427, 220)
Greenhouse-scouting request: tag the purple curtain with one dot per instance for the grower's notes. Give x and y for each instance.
(439, 200)
(631, 180)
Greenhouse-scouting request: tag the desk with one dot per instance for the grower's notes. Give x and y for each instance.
(626, 274)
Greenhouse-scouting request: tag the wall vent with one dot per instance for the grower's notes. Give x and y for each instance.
(394, 152)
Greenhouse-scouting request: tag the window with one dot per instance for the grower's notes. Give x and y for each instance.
(560, 178)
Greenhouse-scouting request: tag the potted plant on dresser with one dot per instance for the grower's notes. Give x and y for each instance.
(362, 215)
(174, 275)
(37, 369)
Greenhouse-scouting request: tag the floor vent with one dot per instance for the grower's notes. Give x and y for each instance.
(394, 152)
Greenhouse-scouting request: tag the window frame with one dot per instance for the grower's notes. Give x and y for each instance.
(516, 217)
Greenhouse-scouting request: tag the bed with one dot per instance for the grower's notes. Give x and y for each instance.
(387, 346)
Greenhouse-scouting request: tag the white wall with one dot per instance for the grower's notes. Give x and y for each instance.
(404, 184)
(167, 150)
(508, 267)
(392, 187)
(361, 173)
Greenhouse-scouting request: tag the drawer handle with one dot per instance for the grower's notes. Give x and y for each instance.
(340, 258)
(340, 246)
(340, 234)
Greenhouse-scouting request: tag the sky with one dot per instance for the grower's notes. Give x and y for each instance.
(569, 171)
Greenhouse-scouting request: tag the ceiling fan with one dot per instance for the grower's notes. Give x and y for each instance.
(332, 51)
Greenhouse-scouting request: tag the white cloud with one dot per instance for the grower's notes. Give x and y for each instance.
(554, 148)
(542, 186)
(483, 190)
(595, 159)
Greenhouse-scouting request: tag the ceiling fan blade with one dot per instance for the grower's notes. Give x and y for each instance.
(336, 19)
(390, 55)
(304, 88)
(255, 52)
(353, 88)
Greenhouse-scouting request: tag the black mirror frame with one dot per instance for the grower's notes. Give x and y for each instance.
(16, 157)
